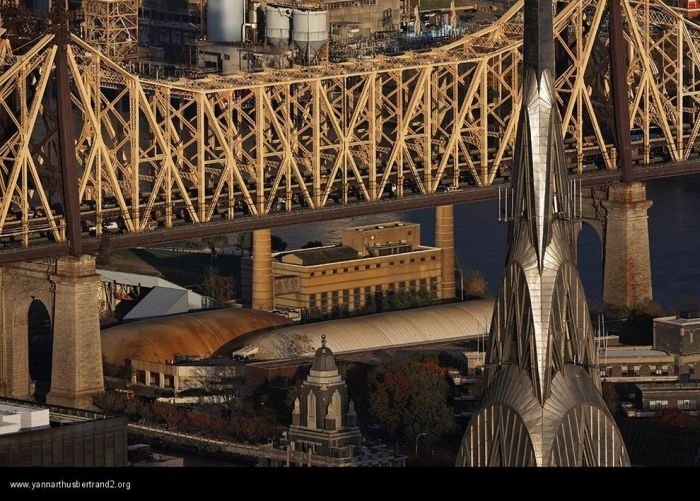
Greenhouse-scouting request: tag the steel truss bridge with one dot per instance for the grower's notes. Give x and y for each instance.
(198, 157)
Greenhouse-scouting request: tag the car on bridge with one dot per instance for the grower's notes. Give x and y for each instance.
(110, 227)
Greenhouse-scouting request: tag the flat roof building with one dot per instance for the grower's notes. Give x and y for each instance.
(38, 435)
(637, 364)
(371, 264)
(679, 334)
(652, 398)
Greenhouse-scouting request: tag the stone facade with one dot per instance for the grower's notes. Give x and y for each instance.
(77, 350)
(68, 288)
(20, 285)
(627, 270)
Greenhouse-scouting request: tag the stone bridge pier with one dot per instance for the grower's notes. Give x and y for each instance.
(619, 214)
(68, 289)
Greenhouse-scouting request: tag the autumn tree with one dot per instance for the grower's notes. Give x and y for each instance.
(676, 418)
(474, 285)
(110, 402)
(409, 397)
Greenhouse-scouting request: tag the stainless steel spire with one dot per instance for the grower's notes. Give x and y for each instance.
(542, 404)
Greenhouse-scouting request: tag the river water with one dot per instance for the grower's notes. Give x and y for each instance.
(674, 237)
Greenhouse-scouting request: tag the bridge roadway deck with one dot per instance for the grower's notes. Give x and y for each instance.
(107, 243)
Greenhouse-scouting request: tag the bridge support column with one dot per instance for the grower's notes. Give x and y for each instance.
(445, 240)
(263, 295)
(4, 328)
(626, 263)
(77, 351)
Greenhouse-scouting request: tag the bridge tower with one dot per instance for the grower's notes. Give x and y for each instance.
(66, 287)
(627, 261)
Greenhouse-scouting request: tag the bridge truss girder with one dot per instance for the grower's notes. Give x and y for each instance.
(316, 136)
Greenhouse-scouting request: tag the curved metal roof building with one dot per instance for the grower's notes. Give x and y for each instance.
(384, 330)
(199, 334)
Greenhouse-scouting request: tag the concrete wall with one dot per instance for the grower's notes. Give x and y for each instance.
(667, 337)
(175, 377)
(626, 367)
(671, 395)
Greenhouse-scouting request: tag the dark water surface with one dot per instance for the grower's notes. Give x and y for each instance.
(674, 235)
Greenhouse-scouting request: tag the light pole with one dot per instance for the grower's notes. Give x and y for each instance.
(422, 434)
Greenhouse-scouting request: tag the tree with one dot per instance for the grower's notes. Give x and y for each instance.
(244, 240)
(311, 244)
(277, 244)
(214, 242)
(218, 287)
(110, 402)
(639, 327)
(410, 397)
(222, 383)
(676, 418)
(415, 299)
(475, 285)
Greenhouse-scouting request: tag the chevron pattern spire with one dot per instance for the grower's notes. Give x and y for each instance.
(542, 404)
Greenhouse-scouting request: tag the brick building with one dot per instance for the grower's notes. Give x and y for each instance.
(372, 263)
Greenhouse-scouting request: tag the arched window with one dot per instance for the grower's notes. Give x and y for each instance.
(311, 410)
(337, 409)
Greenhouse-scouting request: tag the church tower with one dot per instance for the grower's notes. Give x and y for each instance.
(323, 418)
